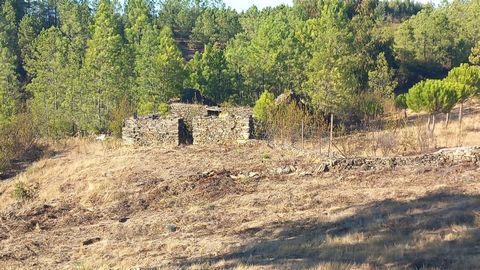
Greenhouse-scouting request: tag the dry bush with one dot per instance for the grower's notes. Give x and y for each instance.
(291, 123)
(387, 142)
(425, 139)
(407, 141)
(17, 138)
(348, 145)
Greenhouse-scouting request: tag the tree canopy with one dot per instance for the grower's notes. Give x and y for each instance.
(78, 66)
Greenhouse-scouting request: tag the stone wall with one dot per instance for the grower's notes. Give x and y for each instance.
(190, 123)
(187, 111)
(224, 129)
(441, 158)
(154, 130)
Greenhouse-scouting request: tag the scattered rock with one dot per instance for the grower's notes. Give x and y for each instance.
(303, 174)
(91, 241)
(285, 170)
(238, 176)
(101, 137)
(171, 228)
(253, 175)
(208, 173)
(123, 220)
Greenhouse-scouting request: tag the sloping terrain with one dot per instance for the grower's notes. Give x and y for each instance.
(104, 206)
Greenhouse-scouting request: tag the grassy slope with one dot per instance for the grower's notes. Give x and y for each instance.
(102, 205)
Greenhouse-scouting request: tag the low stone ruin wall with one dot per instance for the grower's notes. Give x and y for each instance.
(187, 111)
(441, 158)
(190, 123)
(154, 130)
(227, 128)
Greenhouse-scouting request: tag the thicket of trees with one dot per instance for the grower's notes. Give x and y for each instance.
(81, 66)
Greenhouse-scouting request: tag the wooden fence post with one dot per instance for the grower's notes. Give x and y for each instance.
(331, 136)
(303, 140)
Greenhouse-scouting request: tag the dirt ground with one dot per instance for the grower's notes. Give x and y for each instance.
(105, 206)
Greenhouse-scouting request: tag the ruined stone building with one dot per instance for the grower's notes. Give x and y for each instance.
(190, 124)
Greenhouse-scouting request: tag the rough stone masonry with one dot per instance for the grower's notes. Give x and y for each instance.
(190, 123)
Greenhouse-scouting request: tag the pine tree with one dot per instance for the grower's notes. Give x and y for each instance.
(28, 30)
(49, 83)
(8, 27)
(106, 69)
(432, 96)
(465, 80)
(171, 66)
(210, 74)
(147, 71)
(267, 55)
(381, 80)
(160, 70)
(332, 70)
(74, 22)
(138, 19)
(8, 85)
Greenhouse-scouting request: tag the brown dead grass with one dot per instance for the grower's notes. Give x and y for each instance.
(399, 136)
(107, 206)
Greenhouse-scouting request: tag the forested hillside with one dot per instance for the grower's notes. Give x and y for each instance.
(80, 67)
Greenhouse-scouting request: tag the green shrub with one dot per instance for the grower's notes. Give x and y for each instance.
(122, 111)
(163, 109)
(263, 106)
(401, 102)
(23, 192)
(371, 108)
(146, 107)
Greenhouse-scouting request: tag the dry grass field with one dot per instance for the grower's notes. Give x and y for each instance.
(101, 205)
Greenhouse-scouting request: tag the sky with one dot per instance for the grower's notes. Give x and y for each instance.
(240, 5)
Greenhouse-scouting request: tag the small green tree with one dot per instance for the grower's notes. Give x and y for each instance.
(263, 106)
(262, 111)
(381, 80)
(465, 80)
(371, 107)
(432, 96)
(401, 103)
